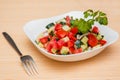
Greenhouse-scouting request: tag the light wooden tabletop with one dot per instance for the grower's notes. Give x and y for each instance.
(15, 13)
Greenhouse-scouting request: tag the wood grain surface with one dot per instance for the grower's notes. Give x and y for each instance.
(15, 13)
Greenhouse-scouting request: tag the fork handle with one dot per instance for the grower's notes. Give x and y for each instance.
(11, 42)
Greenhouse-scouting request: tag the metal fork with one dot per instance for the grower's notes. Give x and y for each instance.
(27, 61)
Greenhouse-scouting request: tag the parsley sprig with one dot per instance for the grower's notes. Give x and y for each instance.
(97, 16)
(84, 26)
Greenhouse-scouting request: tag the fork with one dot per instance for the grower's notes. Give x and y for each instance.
(27, 61)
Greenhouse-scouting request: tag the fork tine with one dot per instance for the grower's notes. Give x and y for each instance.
(26, 69)
(34, 66)
(28, 65)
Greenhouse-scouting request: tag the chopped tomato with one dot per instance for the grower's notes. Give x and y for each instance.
(70, 43)
(102, 42)
(71, 36)
(92, 40)
(60, 43)
(68, 20)
(61, 33)
(55, 45)
(44, 39)
(78, 50)
(58, 27)
(52, 45)
(49, 47)
(72, 49)
(74, 30)
(95, 30)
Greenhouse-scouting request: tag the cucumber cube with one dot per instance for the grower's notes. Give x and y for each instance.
(66, 27)
(64, 50)
(84, 40)
(84, 46)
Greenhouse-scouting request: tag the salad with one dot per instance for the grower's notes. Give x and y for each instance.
(72, 36)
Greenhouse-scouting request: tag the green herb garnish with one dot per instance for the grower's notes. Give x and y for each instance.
(84, 26)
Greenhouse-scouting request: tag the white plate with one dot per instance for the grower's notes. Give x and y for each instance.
(33, 28)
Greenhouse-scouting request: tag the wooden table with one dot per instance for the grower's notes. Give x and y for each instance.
(15, 13)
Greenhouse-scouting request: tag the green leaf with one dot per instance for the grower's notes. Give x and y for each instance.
(91, 21)
(102, 20)
(95, 13)
(83, 26)
(87, 13)
(102, 14)
(105, 21)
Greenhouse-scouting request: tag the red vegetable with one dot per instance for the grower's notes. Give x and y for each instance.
(70, 43)
(61, 33)
(44, 39)
(60, 43)
(78, 50)
(92, 40)
(74, 30)
(71, 50)
(52, 45)
(102, 42)
(55, 45)
(95, 30)
(48, 47)
(71, 36)
(68, 20)
(58, 27)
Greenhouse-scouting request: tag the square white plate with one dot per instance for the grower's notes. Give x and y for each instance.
(33, 28)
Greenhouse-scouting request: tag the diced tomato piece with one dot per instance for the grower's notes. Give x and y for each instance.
(74, 30)
(58, 27)
(92, 40)
(53, 38)
(60, 43)
(95, 30)
(44, 40)
(61, 33)
(50, 37)
(70, 43)
(78, 50)
(102, 42)
(68, 20)
(55, 45)
(49, 47)
(52, 45)
(71, 36)
(72, 49)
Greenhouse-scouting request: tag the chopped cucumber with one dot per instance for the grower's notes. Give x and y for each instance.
(65, 39)
(84, 40)
(36, 42)
(53, 50)
(52, 33)
(63, 23)
(66, 27)
(77, 44)
(99, 36)
(84, 46)
(50, 29)
(64, 50)
(50, 25)
(40, 44)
